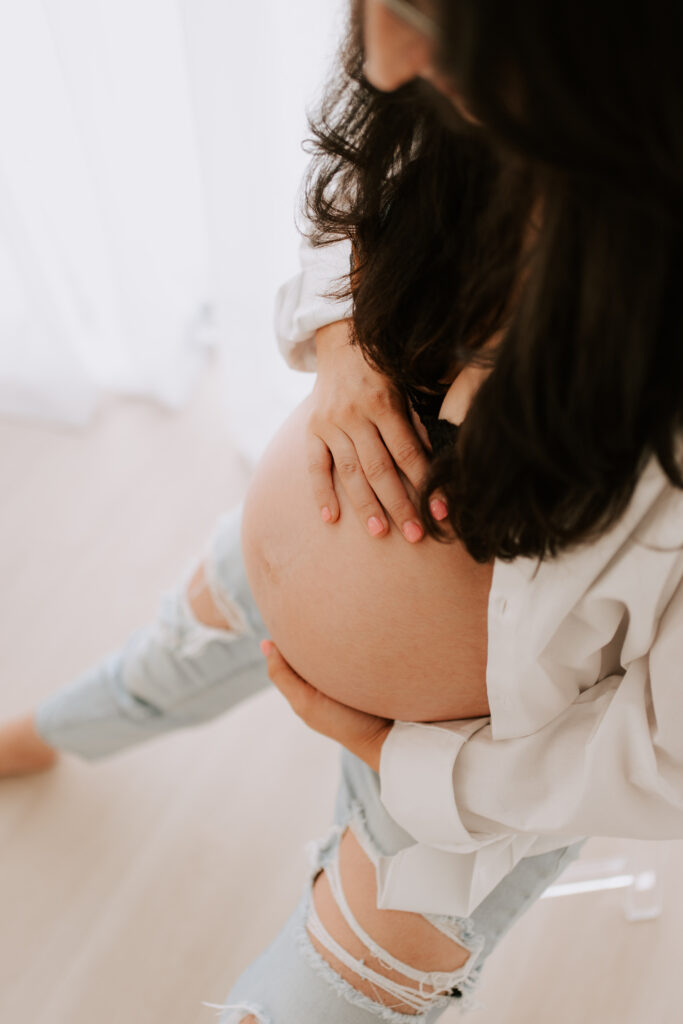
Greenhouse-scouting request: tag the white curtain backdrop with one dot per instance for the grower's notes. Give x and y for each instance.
(150, 154)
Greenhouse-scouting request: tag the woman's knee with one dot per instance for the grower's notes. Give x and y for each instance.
(210, 605)
(387, 965)
(200, 640)
(395, 958)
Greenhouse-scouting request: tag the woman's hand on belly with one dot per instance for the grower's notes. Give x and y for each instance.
(358, 423)
(362, 734)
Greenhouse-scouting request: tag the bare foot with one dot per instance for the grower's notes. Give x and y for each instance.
(22, 750)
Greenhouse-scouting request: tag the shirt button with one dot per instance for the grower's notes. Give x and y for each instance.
(501, 606)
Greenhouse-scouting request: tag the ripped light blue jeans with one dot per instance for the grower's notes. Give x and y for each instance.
(177, 672)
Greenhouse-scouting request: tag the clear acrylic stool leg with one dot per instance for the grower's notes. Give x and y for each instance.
(643, 899)
(637, 873)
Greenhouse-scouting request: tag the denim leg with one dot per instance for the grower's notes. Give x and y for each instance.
(506, 902)
(290, 983)
(172, 673)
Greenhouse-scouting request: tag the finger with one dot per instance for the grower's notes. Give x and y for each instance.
(381, 473)
(438, 508)
(363, 499)
(320, 473)
(361, 733)
(316, 710)
(289, 683)
(437, 505)
(278, 668)
(404, 445)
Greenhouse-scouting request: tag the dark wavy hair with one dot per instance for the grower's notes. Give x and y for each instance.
(580, 104)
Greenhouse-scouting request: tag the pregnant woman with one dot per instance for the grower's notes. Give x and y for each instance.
(463, 553)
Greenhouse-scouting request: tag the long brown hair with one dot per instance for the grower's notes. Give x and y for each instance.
(578, 105)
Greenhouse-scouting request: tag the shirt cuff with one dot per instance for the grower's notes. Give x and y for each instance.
(416, 780)
(302, 305)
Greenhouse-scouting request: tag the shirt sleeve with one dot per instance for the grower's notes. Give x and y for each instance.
(611, 764)
(302, 304)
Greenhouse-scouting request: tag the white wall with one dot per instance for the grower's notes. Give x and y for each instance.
(130, 131)
(254, 67)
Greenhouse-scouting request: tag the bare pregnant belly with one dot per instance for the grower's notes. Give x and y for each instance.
(391, 628)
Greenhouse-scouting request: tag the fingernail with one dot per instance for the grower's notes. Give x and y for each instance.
(439, 509)
(375, 526)
(326, 514)
(267, 647)
(412, 531)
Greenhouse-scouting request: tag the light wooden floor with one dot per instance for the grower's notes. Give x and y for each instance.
(134, 889)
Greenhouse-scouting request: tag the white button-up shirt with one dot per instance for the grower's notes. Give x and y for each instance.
(584, 681)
